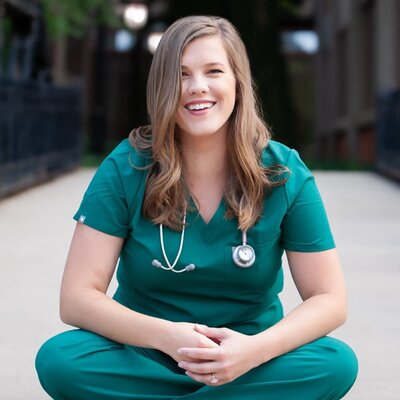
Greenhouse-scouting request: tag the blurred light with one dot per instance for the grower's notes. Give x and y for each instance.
(135, 15)
(153, 40)
(124, 40)
(300, 41)
(307, 40)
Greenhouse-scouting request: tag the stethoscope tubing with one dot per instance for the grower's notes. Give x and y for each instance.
(243, 255)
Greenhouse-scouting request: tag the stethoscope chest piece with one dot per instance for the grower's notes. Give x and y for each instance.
(243, 256)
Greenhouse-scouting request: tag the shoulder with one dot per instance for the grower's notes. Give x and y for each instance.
(278, 154)
(295, 171)
(124, 154)
(123, 170)
(275, 153)
(125, 160)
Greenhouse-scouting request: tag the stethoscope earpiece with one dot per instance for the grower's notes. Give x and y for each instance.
(188, 268)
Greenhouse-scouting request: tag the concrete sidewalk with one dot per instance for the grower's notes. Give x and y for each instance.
(364, 209)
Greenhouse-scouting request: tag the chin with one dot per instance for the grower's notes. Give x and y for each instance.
(204, 132)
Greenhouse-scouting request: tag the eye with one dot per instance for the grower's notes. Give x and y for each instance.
(215, 71)
(184, 73)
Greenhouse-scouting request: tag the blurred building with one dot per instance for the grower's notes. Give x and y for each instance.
(358, 82)
(299, 44)
(110, 62)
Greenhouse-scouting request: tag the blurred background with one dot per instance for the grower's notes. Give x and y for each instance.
(72, 85)
(73, 76)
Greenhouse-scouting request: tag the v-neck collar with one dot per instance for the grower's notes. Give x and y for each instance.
(217, 228)
(215, 217)
(210, 228)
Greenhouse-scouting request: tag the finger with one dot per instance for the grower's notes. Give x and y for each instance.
(204, 378)
(200, 353)
(215, 333)
(207, 342)
(198, 368)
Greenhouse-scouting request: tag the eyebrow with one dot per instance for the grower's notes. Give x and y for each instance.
(210, 64)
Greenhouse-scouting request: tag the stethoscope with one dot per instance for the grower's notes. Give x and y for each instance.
(243, 255)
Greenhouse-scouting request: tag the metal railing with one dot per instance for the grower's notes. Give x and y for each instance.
(40, 133)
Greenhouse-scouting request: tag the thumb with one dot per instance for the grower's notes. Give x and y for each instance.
(214, 333)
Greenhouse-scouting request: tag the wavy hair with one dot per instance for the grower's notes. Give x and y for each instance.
(167, 196)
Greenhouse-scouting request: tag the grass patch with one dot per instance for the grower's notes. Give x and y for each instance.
(91, 160)
(338, 166)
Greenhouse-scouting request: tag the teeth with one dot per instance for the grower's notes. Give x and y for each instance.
(199, 106)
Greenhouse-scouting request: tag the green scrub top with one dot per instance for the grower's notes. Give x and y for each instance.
(217, 293)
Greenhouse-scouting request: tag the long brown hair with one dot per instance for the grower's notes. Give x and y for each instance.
(166, 196)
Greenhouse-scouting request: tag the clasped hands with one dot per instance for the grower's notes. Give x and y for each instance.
(231, 355)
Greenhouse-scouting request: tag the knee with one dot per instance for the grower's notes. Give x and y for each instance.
(54, 365)
(50, 364)
(341, 365)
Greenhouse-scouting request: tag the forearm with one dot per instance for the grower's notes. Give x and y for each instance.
(90, 309)
(312, 319)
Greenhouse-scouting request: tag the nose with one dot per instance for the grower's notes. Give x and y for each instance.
(198, 84)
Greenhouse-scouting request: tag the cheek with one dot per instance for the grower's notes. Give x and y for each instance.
(179, 120)
(232, 100)
(179, 115)
(231, 92)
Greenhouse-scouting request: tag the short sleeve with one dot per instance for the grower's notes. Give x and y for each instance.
(305, 227)
(104, 205)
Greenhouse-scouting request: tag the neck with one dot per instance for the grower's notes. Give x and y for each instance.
(204, 159)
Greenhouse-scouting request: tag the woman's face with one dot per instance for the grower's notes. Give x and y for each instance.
(208, 88)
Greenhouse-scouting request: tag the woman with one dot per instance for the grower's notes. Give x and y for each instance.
(185, 205)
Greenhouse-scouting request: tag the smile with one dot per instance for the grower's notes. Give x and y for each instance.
(199, 106)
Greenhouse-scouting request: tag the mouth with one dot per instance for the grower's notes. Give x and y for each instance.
(199, 106)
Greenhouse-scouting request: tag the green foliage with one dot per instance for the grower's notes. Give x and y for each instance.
(289, 7)
(72, 17)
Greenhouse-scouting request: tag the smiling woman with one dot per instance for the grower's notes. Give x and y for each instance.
(208, 89)
(205, 189)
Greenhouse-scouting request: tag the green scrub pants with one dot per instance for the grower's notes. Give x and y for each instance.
(80, 365)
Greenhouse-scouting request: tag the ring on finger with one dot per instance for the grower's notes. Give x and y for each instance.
(213, 378)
